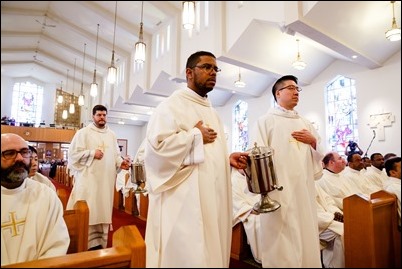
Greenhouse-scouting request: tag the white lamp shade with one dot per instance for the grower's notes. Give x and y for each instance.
(112, 74)
(60, 99)
(299, 65)
(94, 90)
(188, 15)
(72, 109)
(64, 115)
(239, 84)
(393, 34)
(81, 100)
(140, 51)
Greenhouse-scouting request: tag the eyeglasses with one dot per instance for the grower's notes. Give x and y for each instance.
(12, 153)
(291, 88)
(208, 68)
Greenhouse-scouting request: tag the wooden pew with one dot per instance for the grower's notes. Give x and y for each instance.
(63, 196)
(77, 221)
(128, 250)
(239, 248)
(372, 239)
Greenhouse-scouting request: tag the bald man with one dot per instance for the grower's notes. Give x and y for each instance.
(32, 224)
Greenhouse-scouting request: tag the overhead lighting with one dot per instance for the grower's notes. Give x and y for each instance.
(188, 14)
(239, 83)
(299, 64)
(72, 105)
(81, 99)
(94, 86)
(64, 115)
(120, 122)
(140, 46)
(60, 97)
(393, 34)
(112, 70)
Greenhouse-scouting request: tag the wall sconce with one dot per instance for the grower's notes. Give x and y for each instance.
(81, 99)
(393, 34)
(140, 46)
(94, 86)
(299, 64)
(239, 83)
(188, 14)
(112, 70)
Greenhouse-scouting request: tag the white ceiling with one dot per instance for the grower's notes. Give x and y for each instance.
(40, 39)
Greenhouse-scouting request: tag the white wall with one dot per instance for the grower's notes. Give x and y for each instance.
(378, 91)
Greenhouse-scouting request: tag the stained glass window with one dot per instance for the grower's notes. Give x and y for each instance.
(342, 123)
(240, 127)
(27, 103)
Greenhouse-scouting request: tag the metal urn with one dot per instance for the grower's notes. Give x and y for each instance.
(138, 176)
(261, 177)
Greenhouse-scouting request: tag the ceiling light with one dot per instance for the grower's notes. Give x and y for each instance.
(81, 99)
(64, 115)
(94, 86)
(140, 46)
(72, 105)
(393, 34)
(60, 97)
(120, 122)
(112, 70)
(299, 64)
(239, 83)
(188, 15)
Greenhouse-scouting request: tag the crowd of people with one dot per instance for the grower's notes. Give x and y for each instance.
(197, 189)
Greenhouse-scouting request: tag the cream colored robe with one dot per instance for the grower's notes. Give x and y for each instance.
(290, 234)
(39, 230)
(94, 179)
(190, 206)
(43, 179)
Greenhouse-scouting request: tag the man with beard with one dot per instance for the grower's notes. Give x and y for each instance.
(189, 220)
(32, 224)
(94, 159)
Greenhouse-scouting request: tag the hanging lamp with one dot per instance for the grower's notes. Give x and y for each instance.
(188, 14)
(94, 86)
(72, 104)
(239, 83)
(112, 70)
(299, 64)
(140, 46)
(60, 97)
(393, 34)
(81, 99)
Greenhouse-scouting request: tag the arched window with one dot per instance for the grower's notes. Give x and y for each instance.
(27, 103)
(240, 127)
(341, 108)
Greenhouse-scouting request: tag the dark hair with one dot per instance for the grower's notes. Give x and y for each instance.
(98, 108)
(350, 156)
(195, 58)
(328, 157)
(390, 164)
(389, 155)
(279, 81)
(373, 156)
(33, 149)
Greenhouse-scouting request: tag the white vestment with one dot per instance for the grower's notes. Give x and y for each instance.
(358, 180)
(376, 177)
(94, 179)
(32, 224)
(243, 203)
(190, 195)
(393, 185)
(337, 186)
(43, 179)
(289, 235)
(331, 231)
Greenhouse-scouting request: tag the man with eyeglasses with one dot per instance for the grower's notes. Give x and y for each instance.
(32, 224)
(289, 235)
(189, 220)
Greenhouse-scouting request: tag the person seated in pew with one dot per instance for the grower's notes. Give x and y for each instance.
(393, 183)
(330, 225)
(243, 203)
(32, 221)
(33, 170)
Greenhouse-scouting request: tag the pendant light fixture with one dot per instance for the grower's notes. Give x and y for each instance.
(188, 14)
(140, 46)
(81, 100)
(393, 34)
(239, 83)
(112, 70)
(94, 86)
(64, 115)
(299, 64)
(72, 104)
(60, 97)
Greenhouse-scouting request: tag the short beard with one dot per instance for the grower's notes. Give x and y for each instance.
(16, 173)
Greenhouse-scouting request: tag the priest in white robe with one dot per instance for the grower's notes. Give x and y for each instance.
(32, 224)
(187, 165)
(94, 159)
(289, 235)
